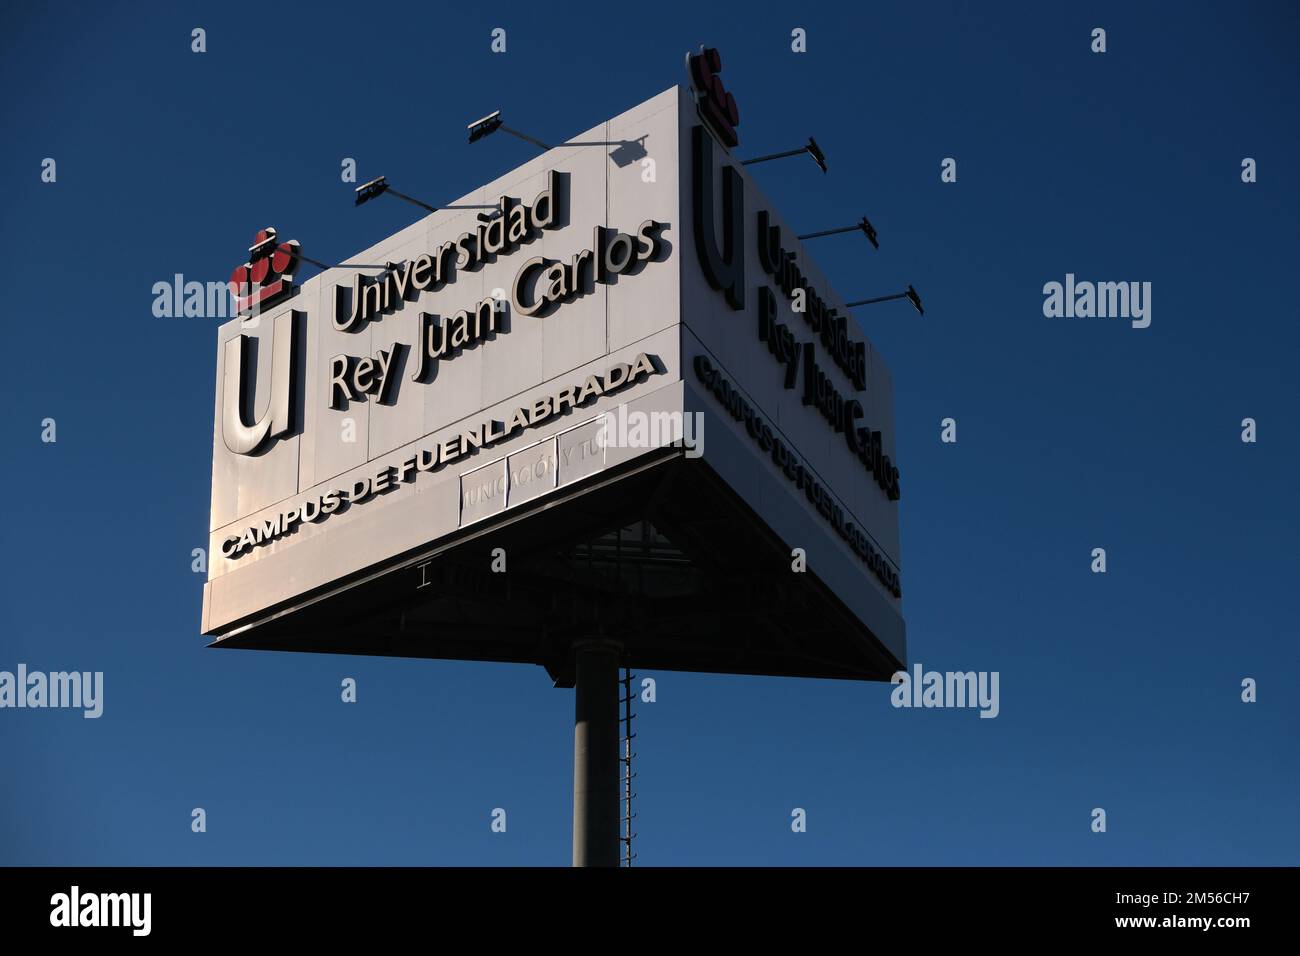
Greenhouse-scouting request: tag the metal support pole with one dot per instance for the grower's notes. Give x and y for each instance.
(595, 755)
(628, 775)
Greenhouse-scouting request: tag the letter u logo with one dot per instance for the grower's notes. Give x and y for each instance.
(240, 380)
(725, 268)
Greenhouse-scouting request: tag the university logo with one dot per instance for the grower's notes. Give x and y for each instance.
(258, 283)
(723, 265)
(242, 436)
(266, 277)
(717, 107)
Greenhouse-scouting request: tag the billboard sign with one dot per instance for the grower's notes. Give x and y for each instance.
(483, 385)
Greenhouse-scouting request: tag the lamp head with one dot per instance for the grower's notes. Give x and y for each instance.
(915, 299)
(264, 244)
(368, 191)
(869, 231)
(816, 153)
(485, 126)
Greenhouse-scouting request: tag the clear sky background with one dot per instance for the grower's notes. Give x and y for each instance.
(1119, 691)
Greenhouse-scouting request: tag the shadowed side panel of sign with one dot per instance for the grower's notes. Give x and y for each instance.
(803, 395)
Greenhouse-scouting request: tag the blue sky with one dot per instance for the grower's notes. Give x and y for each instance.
(1119, 691)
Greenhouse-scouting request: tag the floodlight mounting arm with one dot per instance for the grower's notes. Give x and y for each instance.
(487, 125)
(411, 200)
(910, 294)
(525, 137)
(342, 265)
(863, 225)
(762, 159)
(812, 149)
(881, 298)
(828, 232)
(380, 185)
